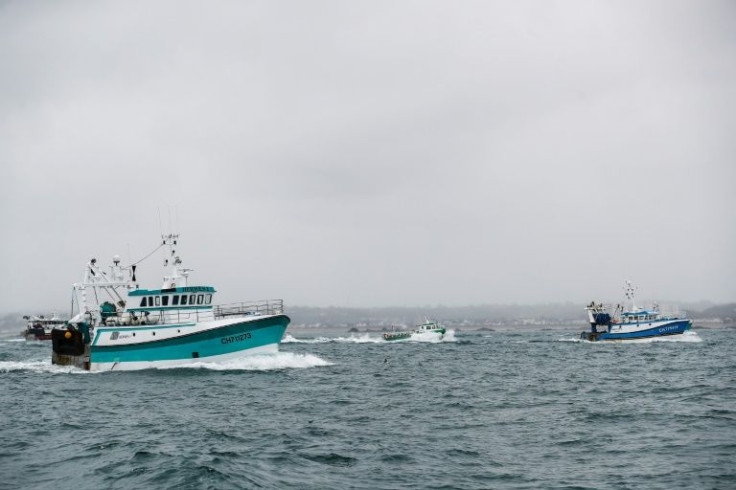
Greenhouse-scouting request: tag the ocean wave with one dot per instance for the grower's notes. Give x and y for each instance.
(368, 339)
(689, 336)
(39, 366)
(433, 338)
(262, 362)
(353, 339)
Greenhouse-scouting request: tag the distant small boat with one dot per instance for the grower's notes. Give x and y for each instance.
(39, 327)
(608, 323)
(426, 328)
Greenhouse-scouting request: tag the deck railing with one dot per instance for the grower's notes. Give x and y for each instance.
(167, 317)
(264, 307)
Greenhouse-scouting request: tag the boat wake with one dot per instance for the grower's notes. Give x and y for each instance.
(40, 366)
(353, 339)
(262, 362)
(368, 339)
(688, 337)
(433, 338)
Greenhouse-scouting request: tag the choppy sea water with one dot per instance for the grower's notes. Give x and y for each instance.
(532, 409)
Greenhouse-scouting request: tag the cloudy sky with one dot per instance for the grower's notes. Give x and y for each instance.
(372, 153)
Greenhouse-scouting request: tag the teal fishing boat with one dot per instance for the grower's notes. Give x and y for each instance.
(427, 328)
(175, 325)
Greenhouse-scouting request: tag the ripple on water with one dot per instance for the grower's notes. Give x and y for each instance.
(331, 459)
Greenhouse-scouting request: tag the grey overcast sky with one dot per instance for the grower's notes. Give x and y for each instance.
(372, 153)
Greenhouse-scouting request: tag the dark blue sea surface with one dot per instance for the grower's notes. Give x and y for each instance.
(530, 409)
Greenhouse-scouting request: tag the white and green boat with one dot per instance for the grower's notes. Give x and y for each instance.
(116, 325)
(426, 329)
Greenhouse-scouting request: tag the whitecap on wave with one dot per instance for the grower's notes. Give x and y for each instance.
(689, 336)
(367, 338)
(40, 366)
(433, 338)
(263, 362)
(13, 340)
(353, 339)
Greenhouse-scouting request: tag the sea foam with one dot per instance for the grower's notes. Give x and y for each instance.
(689, 336)
(367, 338)
(38, 366)
(260, 362)
(263, 362)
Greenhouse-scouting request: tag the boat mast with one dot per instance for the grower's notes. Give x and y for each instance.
(629, 291)
(179, 274)
(97, 281)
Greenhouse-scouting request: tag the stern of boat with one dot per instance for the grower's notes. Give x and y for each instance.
(68, 348)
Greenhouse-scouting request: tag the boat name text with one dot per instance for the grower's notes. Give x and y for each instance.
(236, 338)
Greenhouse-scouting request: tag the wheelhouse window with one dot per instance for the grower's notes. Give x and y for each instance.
(200, 299)
(144, 302)
(208, 299)
(183, 299)
(175, 300)
(157, 299)
(191, 299)
(164, 300)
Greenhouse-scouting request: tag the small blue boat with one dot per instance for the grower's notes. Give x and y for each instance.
(118, 326)
(608, 323)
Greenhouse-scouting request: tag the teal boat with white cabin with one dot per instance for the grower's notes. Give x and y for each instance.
(116, 325)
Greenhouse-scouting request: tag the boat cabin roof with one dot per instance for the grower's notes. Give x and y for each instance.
(183, 298)
(186, 289)
(427, 325)
(640, 312)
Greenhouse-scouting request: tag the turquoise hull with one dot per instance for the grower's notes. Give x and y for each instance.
(220, 341)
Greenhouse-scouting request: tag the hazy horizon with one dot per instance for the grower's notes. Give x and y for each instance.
(696, 306)
(413, 153)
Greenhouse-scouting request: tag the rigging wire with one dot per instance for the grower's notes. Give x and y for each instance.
(152, 252)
